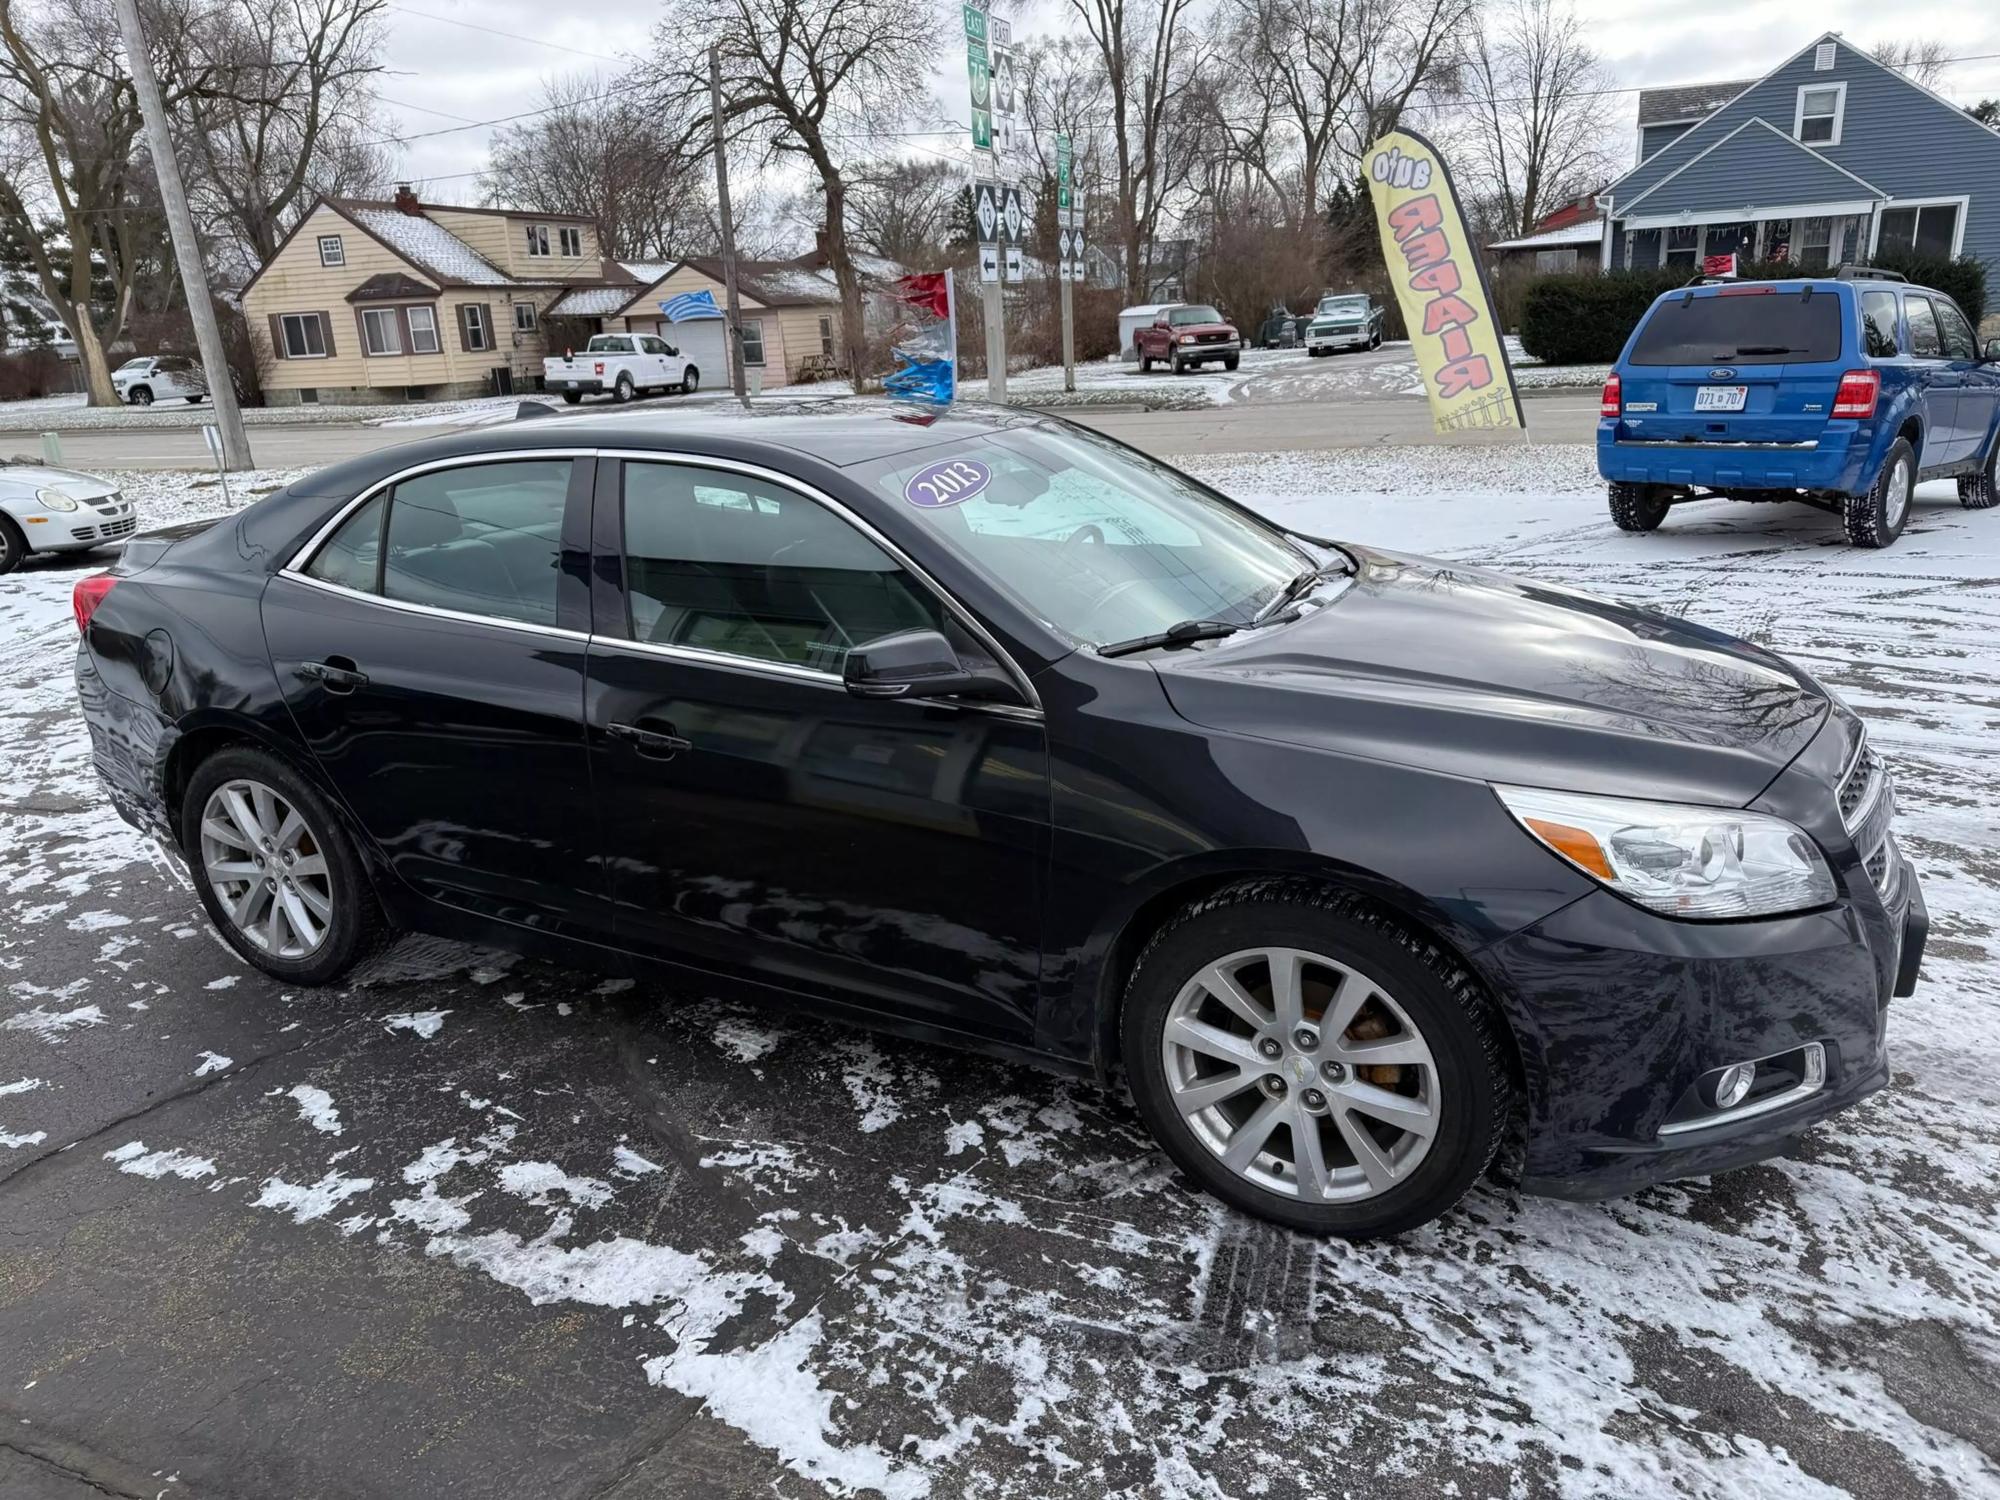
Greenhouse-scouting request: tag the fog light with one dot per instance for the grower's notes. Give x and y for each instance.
(1732, 1085)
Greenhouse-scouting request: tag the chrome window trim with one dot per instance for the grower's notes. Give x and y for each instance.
(300, 559)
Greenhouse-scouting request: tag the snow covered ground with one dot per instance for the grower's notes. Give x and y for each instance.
(833, 1263)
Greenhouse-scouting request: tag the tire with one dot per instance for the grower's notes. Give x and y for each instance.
(622, 391)
(1317, 353)
(142, 395)
(1232, 362)
(572, 398)
(195, 400)
(13, 545)
(1410, 984)
(691, 382)
(1145, 364)
(354, 925)
(1637, 507)
(1877, 518)
(1375, 341)
(1981, 491)
(1179, 367)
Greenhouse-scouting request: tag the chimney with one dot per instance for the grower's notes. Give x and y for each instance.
(407, 201)
(819, 242)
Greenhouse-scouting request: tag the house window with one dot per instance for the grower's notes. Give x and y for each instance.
(1815, 244)
(330, 252)
(826, 337)
(478, 332)
(380, 331)
(753, 341)
(538, 239)
(305, 336)
(1928, 229)
(1683, 245)
(524, 316)
(423, 330)
(1821, 109)
(572, 242)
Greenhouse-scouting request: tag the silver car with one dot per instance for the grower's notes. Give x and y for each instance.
(58, 510)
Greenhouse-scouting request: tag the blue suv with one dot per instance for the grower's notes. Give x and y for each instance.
(1841, 392)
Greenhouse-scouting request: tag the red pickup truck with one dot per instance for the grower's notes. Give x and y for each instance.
(1189, 335)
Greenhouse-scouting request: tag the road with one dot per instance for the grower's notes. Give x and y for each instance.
(1287, 405)
(477, 1226)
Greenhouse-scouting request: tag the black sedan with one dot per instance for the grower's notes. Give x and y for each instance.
(1365, 872)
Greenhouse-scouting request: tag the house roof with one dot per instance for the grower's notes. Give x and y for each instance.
(1683, 103)
(391, 285)
(428, 245)
(1589, 232)
(1746, 155)
(592, 301)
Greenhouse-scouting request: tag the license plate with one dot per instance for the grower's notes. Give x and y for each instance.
(1721, 397)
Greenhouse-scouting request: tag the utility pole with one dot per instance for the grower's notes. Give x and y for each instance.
(735, 340)
(187, 249)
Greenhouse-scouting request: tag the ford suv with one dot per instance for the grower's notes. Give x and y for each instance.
(1840, 392)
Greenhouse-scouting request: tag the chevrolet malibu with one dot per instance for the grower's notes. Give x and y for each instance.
(1367, 874)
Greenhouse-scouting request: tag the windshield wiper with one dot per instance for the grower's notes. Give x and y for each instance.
(1299, 583)
(1184, 633)
(1760, 349)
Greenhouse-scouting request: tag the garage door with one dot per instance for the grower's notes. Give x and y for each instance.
(701, 342)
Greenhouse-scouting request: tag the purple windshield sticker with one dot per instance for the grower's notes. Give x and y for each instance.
(950, 481)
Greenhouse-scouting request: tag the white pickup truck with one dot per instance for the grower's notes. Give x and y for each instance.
(624, 364)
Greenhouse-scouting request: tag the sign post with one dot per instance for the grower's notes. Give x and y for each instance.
(218, 450)
(1064, 167)
(989, 208)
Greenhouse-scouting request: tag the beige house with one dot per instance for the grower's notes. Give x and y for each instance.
(791, 315)
(369, 301)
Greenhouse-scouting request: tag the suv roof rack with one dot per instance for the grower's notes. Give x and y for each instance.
(1868, 273)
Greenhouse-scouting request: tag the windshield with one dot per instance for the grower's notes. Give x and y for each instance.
(1743, 328)
(605, 343)
(136, 364)
(1180, 317)
(1101, 543)
(1352, 307)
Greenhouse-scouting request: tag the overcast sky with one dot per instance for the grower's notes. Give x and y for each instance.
(456, 72)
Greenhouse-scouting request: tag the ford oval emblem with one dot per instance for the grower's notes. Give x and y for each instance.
(1721, 374)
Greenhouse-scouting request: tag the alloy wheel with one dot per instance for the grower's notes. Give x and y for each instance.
(1302, 1075)
(1897, 500)
(267, 868)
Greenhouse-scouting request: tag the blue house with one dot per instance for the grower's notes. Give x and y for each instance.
(1831, 157)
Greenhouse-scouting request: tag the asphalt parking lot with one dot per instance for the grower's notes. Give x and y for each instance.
(482, 1226)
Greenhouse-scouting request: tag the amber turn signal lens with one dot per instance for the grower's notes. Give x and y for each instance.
(1574, 845)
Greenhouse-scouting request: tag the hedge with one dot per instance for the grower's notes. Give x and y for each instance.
(1580, 318)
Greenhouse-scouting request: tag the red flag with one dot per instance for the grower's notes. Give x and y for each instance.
(926, 290)
(1719, 265)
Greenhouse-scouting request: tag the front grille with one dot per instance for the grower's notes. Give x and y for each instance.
(1214, 338)
(108, 505)
(109, 531)
(1867, 799)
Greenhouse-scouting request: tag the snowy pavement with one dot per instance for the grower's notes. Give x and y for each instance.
(482, 1225)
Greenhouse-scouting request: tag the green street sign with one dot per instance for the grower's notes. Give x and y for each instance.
(1062, 193)
(982, 129)
(975, 23)
(1062, 159)
(977, 74)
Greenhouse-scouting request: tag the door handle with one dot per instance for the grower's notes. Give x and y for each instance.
(662, 743)
(336, 674)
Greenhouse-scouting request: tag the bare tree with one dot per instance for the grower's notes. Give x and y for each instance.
(1152, 55)
(292, 123)
(1538, 109)
(600, 151)
(907, 210)
(804, 80)
(1920, 62)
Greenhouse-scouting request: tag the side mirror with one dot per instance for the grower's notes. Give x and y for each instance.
(1991, 352)
(919, 664)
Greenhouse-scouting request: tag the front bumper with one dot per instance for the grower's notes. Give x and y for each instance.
(1836, 461)
(1353, 338)
(1619, 1012)
(91, 524)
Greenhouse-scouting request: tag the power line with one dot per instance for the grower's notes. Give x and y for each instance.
(510, 35)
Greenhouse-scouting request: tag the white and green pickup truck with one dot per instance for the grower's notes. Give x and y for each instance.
(621, 365)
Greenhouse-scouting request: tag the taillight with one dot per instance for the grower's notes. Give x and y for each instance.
(1608, 404)
(88, 594)
(1858, 392)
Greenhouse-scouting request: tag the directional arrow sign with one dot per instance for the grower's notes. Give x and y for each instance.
(989, 262)
(1014, 271)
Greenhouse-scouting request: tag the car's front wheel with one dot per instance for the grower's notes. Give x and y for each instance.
(141, 395)
(1981, 491)
(1876, 518)
(1306, 1058)
(13, 545)
(275, 870)
(691, 381)
(1637, 507)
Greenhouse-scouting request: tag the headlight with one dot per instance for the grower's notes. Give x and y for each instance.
(1187, 338)
(1695, 862)
(54, 500)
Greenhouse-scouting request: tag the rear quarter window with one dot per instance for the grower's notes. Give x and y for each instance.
(1754, 328)
(1878, 324)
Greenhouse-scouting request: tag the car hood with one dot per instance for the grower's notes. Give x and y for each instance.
(25, 479)
(1180, 328)
(1473, 674)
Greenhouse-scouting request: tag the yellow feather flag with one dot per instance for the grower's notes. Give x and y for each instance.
(1440, 287)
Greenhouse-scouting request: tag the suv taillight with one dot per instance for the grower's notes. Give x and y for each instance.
(87, 595)
(1857, 394)
(1608, 404)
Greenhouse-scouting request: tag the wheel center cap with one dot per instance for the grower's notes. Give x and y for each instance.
(1298, 1068)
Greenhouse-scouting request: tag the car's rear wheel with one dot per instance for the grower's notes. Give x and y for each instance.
(1145, 364)
(13, 545)
(1304, 1057)
(1638, 507)
(622, 391)
(573, 398)
(1981, 491)
(1876, 518)
(275, 870)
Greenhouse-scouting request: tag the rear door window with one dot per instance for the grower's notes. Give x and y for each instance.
(485, 540)
(1925, 341)
(1956, 333)
(1752, 328)
(1878, 324)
